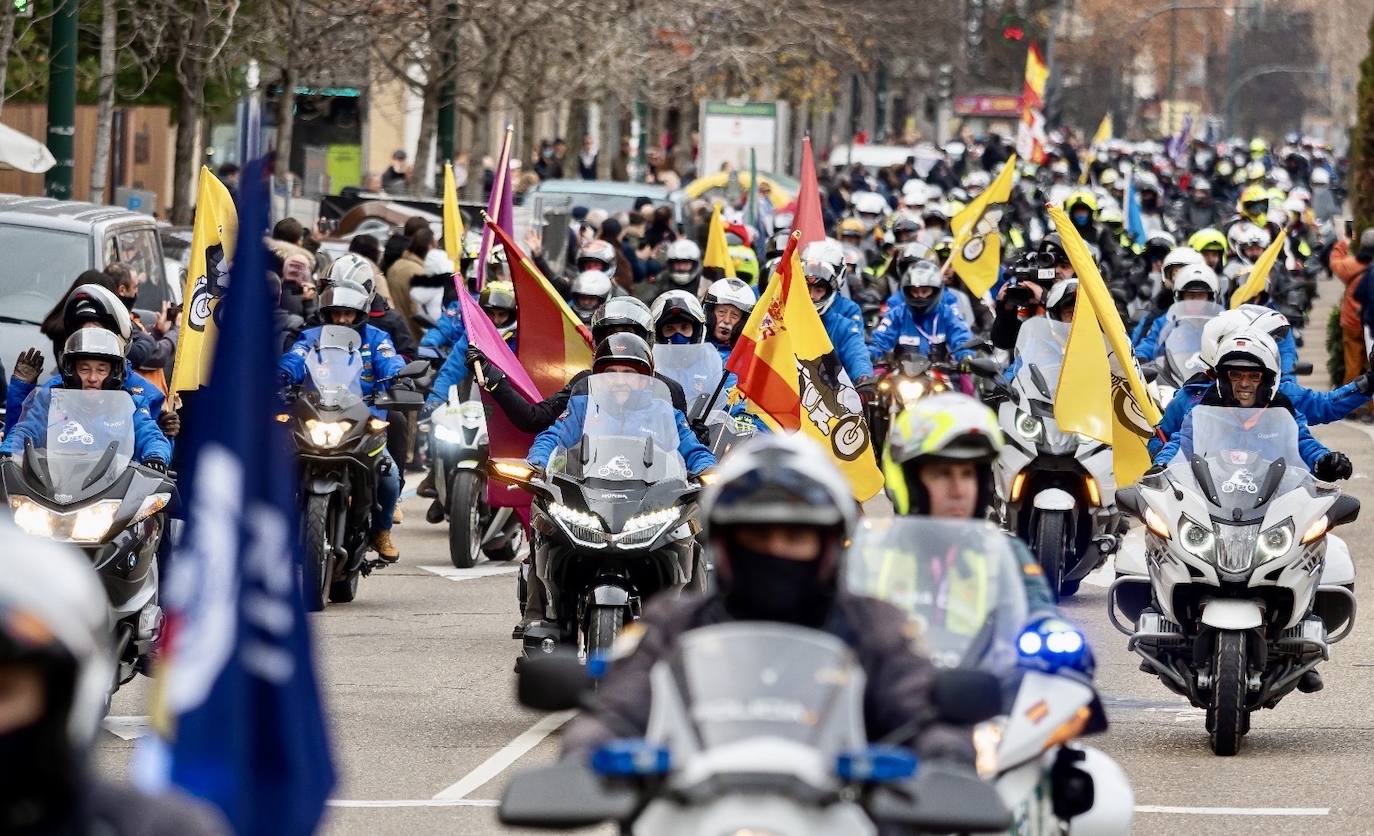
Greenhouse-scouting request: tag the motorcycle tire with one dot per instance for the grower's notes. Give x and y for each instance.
(603, 626)
(465, 496)
(345, 590)
(1229, 686)
(1049, 552)
(319, 553)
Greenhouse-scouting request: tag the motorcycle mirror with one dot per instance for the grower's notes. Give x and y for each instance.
(552, 682)
(1303, 368)
(563, 796)
(984, 367)
(966, 697)
(1128, 500)
(414, 368)
(1345, 509)
(941, 801)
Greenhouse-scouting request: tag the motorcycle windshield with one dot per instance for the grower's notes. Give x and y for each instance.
(958, 579)
(760, 679)
(697, 369)
(90, 440)
(629, 432)
(1182, 345)
(334, 367)
(1239, 446)
(1040, 344)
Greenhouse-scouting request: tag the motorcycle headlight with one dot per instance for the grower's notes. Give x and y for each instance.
(32, 517)
(447, 434)
(1028, 426)
(1197, 539)
(909, 391)
(84, 525)
(91, 523)
(584, 528)
(471, 415)
(653, 519)
(326, 433)
(1275, 541)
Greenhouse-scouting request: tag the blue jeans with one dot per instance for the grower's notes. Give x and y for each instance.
(388, 490)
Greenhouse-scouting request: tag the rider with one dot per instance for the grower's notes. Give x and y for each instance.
(1212, 244)
(1174, 260)
(924, 322)
(57, 664)
(1192, 283)
(1247, 372)
(728, 303)
(345, 304)
(777, 519)
(1314, 406)
(831, 252)
(497, 300)
(683, 271)
(590, 290)
(92, 360)
(678, 319)
(938, 463)
(845, 332)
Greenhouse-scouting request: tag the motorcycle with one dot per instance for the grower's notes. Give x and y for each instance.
(909, 376)
(697, 368)
(616, 515)
(1244, 594)
(1054, 489)
(338, 444)
(458, 441)
(961, 583)
(755, 728)
(83, 487)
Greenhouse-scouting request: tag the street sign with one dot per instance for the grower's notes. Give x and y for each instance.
(729, 129)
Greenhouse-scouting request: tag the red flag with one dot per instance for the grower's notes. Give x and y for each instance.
(809, 220)
(552, 344)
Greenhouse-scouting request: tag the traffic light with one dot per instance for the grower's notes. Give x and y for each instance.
(1013, 33)
(944, 81)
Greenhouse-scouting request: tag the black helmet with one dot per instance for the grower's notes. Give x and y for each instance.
(92, 344)
(621, 314)
(623, 350)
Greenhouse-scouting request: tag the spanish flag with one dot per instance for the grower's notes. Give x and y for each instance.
(1259, 274)
(552, 344)
(977, 251)
(1030, 133)
(788, 368)
(716, 263)
(1102, 395)
(213, 235)
(453, 219)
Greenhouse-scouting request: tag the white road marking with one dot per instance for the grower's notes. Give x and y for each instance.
(481, 570)
(509, 754)
(421, 802)
(1234, 811)
(129, 727)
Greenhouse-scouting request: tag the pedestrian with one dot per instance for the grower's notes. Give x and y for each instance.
(397, 243)
(620, 166)
(396, 178)
(587, 158)
(408, 266)
(1352, 270)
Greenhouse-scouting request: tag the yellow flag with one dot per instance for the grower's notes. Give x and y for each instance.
(716, 263)
(213, 235)
(977, 250)
(1259, 274)
(1101, 392)
(453, 219)
(787, 367)
(1104, 131)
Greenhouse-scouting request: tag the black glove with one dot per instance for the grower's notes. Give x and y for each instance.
(28, 365)
(1155, 470)
(428, 410)
(156, 464)
(169, 422)
(490, 374)
(1364, 383)
(1333, 466)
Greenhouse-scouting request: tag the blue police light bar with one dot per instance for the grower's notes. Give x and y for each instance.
(1052, 644)
(631, 757)
(876, 765)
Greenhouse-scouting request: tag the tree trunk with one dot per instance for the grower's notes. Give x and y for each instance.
(1362, 147)
(187, 153)
(481, 136)
(6, 44)
(422, 177)
(286, 120)
(105, 110)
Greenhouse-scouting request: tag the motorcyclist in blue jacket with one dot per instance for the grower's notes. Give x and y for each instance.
(346, 304)
(1247, 377)
(728, 304)
(845, 332)
(92, 360)
(497, 300)
(923, 322)
(1192, 283)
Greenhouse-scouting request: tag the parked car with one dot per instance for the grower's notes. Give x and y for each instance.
(48, 243)
(612, 196)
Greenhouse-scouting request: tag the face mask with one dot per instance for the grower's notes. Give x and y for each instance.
(679, 339)
(767, 588)
(1081, 220)
(37, 775)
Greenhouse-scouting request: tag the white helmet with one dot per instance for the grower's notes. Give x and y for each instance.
(1061, 293)
(681, 251)
(870, 207)
(1266, 321)
(1196, 277)
(590, 290)
(1178, 257)
(976, 181)
(96, 303)
(1246, 234)
(827, 251)
(1321, 177)
(1218, 329)
(352, 267)
(53, 610)
(1249, 350)
(682, 305)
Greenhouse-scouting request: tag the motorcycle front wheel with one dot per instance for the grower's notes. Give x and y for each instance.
(1049, 551)
(603, 625)
(319, 552)
(1229, 686)
(465, 497)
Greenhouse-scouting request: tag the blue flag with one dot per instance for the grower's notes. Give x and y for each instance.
(238, 709)
(1135, 224)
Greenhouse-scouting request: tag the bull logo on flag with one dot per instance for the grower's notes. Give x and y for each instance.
(833, 405)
